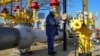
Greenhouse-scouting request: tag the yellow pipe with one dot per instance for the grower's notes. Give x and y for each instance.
(16, 0)
(5, 22)
(13, 22)
(4, 18)
(4, 2)
(17, 18)
(85, 3)
(29, 3)
(23, 16)
(34, 16)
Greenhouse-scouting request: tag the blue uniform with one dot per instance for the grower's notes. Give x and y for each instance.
(51, 31)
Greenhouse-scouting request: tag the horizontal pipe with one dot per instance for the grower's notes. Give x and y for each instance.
(9, 37)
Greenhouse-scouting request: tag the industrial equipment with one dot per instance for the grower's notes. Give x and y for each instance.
(22, 35)
(82, 27)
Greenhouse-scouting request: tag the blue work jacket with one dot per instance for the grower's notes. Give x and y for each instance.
(51, 26)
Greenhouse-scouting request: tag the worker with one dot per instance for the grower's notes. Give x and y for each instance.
(51, 31)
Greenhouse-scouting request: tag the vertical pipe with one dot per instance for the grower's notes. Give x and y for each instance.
(96, 20)
(64, 27)
(64, 6)
(29, 3)
(34, 16)
(85, 7)
(75, 47)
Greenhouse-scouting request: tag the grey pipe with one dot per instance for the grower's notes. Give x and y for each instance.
(9, 37)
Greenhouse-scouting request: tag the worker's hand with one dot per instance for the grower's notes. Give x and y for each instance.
(56, 25)
(62, 21)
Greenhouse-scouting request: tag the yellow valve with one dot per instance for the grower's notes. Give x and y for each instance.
(84, 33)
(76, 24)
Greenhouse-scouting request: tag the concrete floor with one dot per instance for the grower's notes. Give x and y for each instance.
(41, 50)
